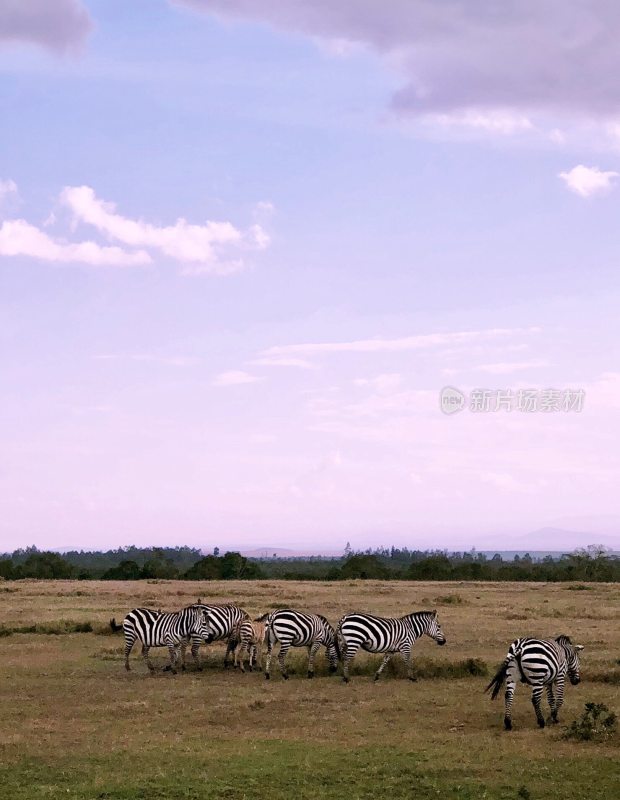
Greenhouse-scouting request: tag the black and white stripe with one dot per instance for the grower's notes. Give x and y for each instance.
(223, 620)
(541, 663)
(387, 635)
(298, 629)
(250, 636)
(156, 629)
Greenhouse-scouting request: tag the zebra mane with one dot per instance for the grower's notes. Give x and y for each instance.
(421, 614)
(563, 640)
(324, 619)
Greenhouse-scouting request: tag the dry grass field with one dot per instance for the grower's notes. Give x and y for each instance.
(74, 724)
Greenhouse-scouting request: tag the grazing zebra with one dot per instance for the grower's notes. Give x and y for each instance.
(298, 629)
(155, 629)
(387, 635)
(223, 619)
(541, 663)
(250, 636)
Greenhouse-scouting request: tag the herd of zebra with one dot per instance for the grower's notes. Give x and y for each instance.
(540, 663)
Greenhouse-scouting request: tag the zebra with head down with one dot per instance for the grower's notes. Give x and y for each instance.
(543, 664)
(300, 629)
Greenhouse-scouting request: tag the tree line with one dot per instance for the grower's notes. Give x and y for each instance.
(593, 563)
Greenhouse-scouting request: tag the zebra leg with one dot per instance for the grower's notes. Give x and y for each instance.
(559, 699)
(350, 650)
(551, 701)
(129, 643)
(147, 660)
(231, 646)
(512, 675)
(172, 652)
(194, 651)
(281, 656)
(408, 656)
(270, 643)
(386, 658)
(239, 660)
(258, 657)
(313, 650)
(536, 698)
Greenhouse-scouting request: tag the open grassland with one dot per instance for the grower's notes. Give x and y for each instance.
(74, 724)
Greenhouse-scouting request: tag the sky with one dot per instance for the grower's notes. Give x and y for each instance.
(245, 246)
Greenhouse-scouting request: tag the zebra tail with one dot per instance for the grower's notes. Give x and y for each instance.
(498, 680)
(114, 626)
(340, 642)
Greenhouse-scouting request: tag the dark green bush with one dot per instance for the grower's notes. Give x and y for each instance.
(597, 723)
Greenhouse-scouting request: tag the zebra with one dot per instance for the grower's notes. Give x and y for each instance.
(223, 619)
(157, 629)
(387, 635)
(541, 663)
(299, 629)
(250, 637)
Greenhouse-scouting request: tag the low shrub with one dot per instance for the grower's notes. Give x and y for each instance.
(597, 723)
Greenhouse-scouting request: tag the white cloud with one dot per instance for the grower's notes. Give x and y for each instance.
(7, 187)
(495, 121)
(386, 382)
(19, 238)
(397, 345)
(276, 361)
(234, 377)
(506, 367)
(206, 247)
(587, 181)
(55, 24)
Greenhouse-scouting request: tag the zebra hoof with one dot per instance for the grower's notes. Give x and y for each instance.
(413, 679)
(127, 667)
(285, 676)
(507, 724)
(310, 674)
(167, 668)
(541, 723)
(345, 679)
(183, 667)
(332, 670)
(267, 676)
(376, 678)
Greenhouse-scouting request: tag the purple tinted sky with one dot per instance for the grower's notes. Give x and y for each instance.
(243, 246)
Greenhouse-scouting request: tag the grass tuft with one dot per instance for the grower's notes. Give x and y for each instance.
(49, 628)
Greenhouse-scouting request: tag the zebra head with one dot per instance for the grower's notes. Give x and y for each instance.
(572, 657)
(433, 628)
(200, 624)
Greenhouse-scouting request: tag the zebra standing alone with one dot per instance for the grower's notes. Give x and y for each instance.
(387, 635)
(155, 629)
(223, 620)
(541, 663)
(298, 629)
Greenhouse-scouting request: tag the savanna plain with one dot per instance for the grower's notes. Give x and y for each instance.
(74, 724)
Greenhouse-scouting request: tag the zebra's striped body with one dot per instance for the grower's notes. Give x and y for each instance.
(543, 664)
(223, 620)
(249, 636)
(155, 629)
(298, 629)
(387, 635)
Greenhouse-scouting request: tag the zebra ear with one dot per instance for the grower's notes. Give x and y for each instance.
(199, 602)
(434, 612)
(579, 646)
